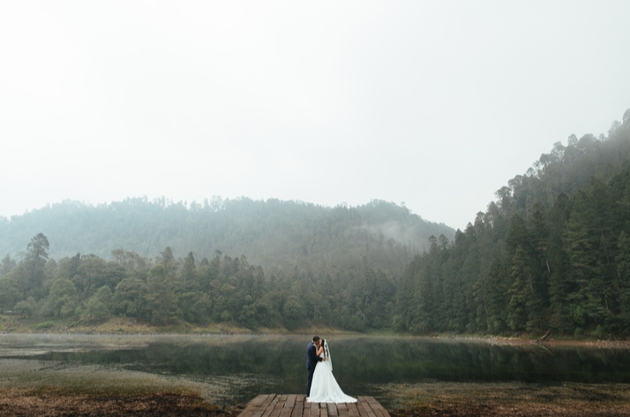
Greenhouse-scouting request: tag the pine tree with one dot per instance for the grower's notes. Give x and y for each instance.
(35, 262)
(585, 299)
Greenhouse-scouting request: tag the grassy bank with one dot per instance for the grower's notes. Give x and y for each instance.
(51, 404)
(511, 399)
(30, 388)
(119, 325)
(116, 325)
(49, 389)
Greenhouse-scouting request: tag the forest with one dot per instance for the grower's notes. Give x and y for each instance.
(552, 253)
(162, 291)
(257, 264)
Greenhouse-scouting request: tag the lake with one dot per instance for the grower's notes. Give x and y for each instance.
(230, 369)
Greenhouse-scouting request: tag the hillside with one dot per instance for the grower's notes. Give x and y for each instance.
(270, 233)
(551, 254)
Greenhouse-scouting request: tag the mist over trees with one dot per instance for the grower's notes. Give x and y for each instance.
(314, 265)
(272, 233)
(551, 253)
(166, 290)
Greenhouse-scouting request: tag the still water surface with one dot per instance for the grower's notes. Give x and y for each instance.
(250, 365)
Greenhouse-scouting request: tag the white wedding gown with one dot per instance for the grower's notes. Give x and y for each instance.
(324, 388)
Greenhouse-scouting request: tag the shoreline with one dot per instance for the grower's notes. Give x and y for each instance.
(485, 339)
(126, 326)
(522, 341)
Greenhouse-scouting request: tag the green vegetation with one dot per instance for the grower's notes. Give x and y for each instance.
(552, 253)
(44, 325)
(272, 233)
(316, 266)
(166, 292)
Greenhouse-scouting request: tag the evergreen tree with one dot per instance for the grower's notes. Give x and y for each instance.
(35, 262)
(159, 297)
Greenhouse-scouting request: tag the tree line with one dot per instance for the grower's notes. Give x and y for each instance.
(166, 290)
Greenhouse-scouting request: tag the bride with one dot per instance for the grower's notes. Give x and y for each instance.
(325, 388)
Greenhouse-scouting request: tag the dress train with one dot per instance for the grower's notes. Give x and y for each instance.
(325, 388)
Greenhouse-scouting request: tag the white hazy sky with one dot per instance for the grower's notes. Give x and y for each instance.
(434, 104)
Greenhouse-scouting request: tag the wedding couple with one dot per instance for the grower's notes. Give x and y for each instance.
(322, 386)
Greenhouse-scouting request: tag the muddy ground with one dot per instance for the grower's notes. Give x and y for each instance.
(529, 410)
(460, 400)
(514, 399)
(32, 403)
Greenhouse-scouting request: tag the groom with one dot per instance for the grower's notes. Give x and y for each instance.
(311, 361)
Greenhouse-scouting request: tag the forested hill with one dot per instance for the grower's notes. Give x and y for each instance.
(270, 233)
(552, 253)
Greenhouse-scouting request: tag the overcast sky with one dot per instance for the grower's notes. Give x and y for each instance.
(434, 104)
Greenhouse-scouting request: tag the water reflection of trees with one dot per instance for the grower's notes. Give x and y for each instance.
(365, 360)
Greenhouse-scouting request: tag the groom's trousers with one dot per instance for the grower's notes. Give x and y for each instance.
(309, 381)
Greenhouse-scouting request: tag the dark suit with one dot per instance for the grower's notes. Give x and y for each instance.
(311, 362)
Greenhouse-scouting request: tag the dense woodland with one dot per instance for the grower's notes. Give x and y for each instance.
(165, 290)
(551, 253)
(256, 263)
